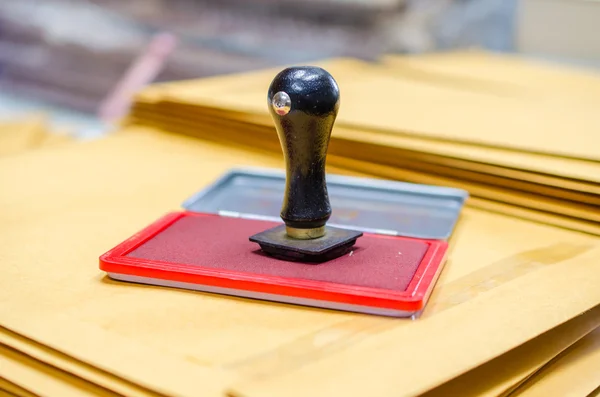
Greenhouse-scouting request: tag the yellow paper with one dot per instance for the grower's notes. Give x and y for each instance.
(444, 335)
(498, 200)
(503, 374)
(55, 360)
(399, 104)
(173, 104)
(516, 204)
(502, 271)
(536, 216)
(406, 152)
(10, 389)
(502, 74)
(43, 380)
(575, 373)
(544, 186)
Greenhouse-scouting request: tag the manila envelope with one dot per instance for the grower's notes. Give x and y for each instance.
(492, 198)
(216, 128)
(551, 170)
(502, 74)
(45, 361)
(9, 389)
(479, 187)
(196, 94)
(365, 143)
(391, 103)
(576, 372)
(31, 375)
(503, 274)
(503, 375)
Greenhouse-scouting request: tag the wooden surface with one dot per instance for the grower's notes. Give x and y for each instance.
(507, 281)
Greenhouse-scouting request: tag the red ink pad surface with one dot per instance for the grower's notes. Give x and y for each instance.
(384, 275)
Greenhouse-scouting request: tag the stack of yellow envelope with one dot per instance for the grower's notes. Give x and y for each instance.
(515, 311)
(520, 137)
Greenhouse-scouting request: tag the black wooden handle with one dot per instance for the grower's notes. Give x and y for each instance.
(304, 103)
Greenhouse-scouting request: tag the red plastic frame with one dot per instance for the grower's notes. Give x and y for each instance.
(412, 299)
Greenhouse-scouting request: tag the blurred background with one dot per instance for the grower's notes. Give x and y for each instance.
(69, 57)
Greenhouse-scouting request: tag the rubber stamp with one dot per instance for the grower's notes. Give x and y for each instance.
(300, 236)
(304, 103)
